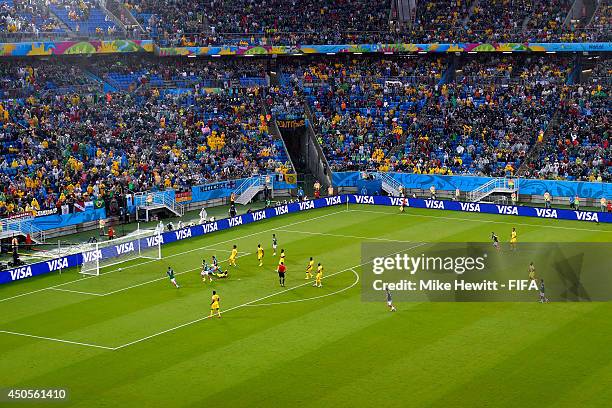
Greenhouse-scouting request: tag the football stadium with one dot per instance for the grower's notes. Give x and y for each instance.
(330, 203)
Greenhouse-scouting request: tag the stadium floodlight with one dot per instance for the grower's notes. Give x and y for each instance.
(140, 244)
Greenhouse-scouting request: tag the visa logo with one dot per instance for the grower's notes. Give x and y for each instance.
(434, 204)
(507, 210)
(333, 200)
(281, 210)
(546, 213)
(212, 227)
(182, 234)
(235, 221)
(398, 201)
(586, 216)
(155, 241)
(57, 264)
(20, 273)
(259, 215)
(308, 205)
(92, 256)
(124, 248)
(364, 199)
(471, 207)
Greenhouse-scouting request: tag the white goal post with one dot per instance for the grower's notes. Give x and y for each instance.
(139, 244)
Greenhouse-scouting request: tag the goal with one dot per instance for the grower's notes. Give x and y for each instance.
(139, 244)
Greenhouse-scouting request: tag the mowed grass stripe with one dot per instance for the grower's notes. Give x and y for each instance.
(565, 347)
(114, 316)
(336, 350)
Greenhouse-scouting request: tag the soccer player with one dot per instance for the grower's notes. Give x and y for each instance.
(214, 305)
(543, 298)
(309, 268)
(281, 274)
(318, 276)
(214, 266)
(260, 254)
(495, 240)
(531, 272)
(390, 301)
(205, 272)
(274, 244)
(513, 239)
(403, 203)
(170, 273)
(233, 255)
(282, 257)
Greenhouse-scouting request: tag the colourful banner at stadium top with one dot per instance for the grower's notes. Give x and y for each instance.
(46, 48)
(36, 49)
(556, 188)
(384, 48)
(74, 260)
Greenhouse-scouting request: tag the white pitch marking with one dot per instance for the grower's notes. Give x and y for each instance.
(162, 278)
(487, 221)
(344, 236)
(312, 298)
(57, 340)
(169, 256)
(247, 303)
(77, 291)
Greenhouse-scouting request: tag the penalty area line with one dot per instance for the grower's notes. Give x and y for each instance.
(249, 303)
(56, 340)
(205, 247)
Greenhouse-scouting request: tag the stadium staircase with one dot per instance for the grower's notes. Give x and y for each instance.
(21, 227)
(160, 201)
(248, 189)
(497, 185)
(389, 185)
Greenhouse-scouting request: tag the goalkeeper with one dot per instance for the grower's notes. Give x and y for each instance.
(221, 274)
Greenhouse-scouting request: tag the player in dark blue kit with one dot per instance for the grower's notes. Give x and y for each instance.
(389, 300)
(543, 298)
(495, 240)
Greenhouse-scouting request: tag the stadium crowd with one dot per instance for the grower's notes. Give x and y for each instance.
(283, 22)
(63, 140)
(67, 148)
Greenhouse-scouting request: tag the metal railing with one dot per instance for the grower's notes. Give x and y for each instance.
(158, 198)
(500, 184)
(21, 226)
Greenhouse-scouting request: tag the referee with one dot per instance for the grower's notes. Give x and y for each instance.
(281, 274)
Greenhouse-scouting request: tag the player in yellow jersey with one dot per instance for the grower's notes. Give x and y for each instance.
(309, 268)
(282, 257)
(260, 254)
(531, 272)
(513, 239)
(319, 276)
(214, 305)
(233, 255)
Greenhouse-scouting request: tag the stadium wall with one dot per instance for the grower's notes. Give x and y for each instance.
(48, 222)
(556, 188)
(75, 260)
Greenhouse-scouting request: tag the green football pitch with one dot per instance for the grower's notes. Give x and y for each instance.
(129, 338)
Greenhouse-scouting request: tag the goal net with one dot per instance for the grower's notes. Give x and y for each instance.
(139, 244)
